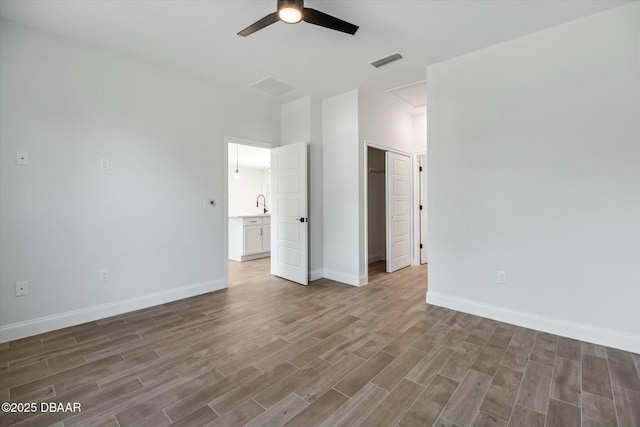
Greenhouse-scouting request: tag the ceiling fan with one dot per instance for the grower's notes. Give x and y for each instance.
(293, 11)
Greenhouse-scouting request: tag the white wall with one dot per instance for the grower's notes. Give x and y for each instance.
(62, 219)
(419, 133)
(295, 121)
(388, 127)
(341, 195)
(384, 124)
(349, 122)
(301, 121)
(316, 190)
(243, 192)
(534, 169)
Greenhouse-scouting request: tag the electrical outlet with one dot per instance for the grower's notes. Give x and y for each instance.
(502, 277)
(22, 158)
(105, 164)
(22, 289)
(103, 275)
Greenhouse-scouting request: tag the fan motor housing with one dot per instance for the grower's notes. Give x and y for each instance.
(298, 4)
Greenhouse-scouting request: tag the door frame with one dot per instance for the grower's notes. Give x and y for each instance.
(365, 195)
(225, 193)
(415, 259)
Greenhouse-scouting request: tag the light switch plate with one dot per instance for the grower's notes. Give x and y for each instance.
(502, 277)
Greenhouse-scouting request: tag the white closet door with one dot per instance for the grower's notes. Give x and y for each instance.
(398, 208)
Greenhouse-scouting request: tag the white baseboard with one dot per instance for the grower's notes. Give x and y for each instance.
(254, 256)
(375, 258)
(565, 328)
(348, 279)
(315, 275)
(364, 279)
(31, 327)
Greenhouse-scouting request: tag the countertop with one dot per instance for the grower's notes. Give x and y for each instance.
(250, 216)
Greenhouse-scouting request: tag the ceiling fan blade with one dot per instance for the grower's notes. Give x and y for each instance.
(258, 25)
(316, 17)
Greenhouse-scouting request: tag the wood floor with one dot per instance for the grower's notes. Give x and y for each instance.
(267, 352)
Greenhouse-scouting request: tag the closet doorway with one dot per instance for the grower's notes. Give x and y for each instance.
(388, 209)
(376, 207)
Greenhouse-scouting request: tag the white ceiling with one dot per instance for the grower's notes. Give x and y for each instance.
(199, 37)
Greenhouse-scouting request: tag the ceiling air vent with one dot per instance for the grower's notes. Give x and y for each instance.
(388, 60)
(272, 86)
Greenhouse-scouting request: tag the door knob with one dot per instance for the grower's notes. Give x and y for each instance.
(303, 219)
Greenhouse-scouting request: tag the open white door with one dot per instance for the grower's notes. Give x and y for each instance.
(398, 207)
(423, 209)
(289, 222)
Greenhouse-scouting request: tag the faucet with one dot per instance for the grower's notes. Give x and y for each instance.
(265, 210)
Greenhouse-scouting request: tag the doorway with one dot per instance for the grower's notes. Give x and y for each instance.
(376, 209)
(248, 207)
(253, 192)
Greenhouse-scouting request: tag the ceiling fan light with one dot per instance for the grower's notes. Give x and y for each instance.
(290, 14)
